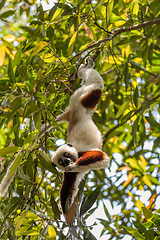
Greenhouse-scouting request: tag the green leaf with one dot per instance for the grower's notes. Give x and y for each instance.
(52, 233)
(134, 232)
(90, 200)
(11, 205)
(38, 48)
(154, 124)
(106, 211)
(46, 162)
(135, 97)
(16, 104)
(2, 3)
(55, 208)
(135, 8)
(57, 13)
(17, 57)
(72, 40)
(147, 213)
(122, 108)
(137, 66)
(16, 163)
(7, 14)
(10, 71)
(51, 12)
(153, 179)
(19, 223)
(88, 235)
(134, 129)
(8, 150)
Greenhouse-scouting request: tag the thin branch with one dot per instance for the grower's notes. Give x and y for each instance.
(87, 15)
(59, 60)
(102, 28)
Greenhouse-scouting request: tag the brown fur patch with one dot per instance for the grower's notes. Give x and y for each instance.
(91, 99)
(89, 157)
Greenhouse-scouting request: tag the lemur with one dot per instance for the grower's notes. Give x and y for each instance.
(83, 151)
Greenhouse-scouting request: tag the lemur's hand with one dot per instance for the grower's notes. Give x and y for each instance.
(71, 168)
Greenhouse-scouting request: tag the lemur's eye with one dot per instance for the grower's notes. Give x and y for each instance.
(66, 154)
(60, 161)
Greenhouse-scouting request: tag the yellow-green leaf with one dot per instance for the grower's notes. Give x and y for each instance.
(2, 55)
(8, 150)
(57, 13)
(122, 109)
(136, 8)
(9, 38)
(147, 213)
(147, 181)
(19, 223)
(16, 163)
(52, 233)
(38, 48)
(73, 38)
(133, 163)
(32, 216)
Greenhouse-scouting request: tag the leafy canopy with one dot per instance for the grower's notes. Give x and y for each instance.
(40, 51)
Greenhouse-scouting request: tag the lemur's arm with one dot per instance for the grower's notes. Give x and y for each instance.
(89, 160)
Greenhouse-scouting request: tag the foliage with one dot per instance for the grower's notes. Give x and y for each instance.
(40, 51)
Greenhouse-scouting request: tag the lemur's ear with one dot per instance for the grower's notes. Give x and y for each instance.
(70, 145)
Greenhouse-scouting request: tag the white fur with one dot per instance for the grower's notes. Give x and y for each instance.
(83, 134)
(59, 153)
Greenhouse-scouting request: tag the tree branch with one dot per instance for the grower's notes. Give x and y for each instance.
(119, 31)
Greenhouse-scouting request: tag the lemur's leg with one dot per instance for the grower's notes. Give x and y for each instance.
(89, 160)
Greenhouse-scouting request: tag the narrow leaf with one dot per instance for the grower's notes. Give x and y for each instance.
(16, 163)
(19, 223)
(10, 71)
(154, 124)
(147, 213)
(38, 48)
(135, 97)
(17, 57)
(46, 162)
(136, 8)
(52, 233)
(73, 38)
(90, 200)
(88, 31)
(122, 109)
(55, 208)
(134, 130)
(130, 177)
(8, 150)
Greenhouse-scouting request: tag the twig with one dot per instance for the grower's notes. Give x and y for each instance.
(118, 68)
(59, 59)
(87, 15)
